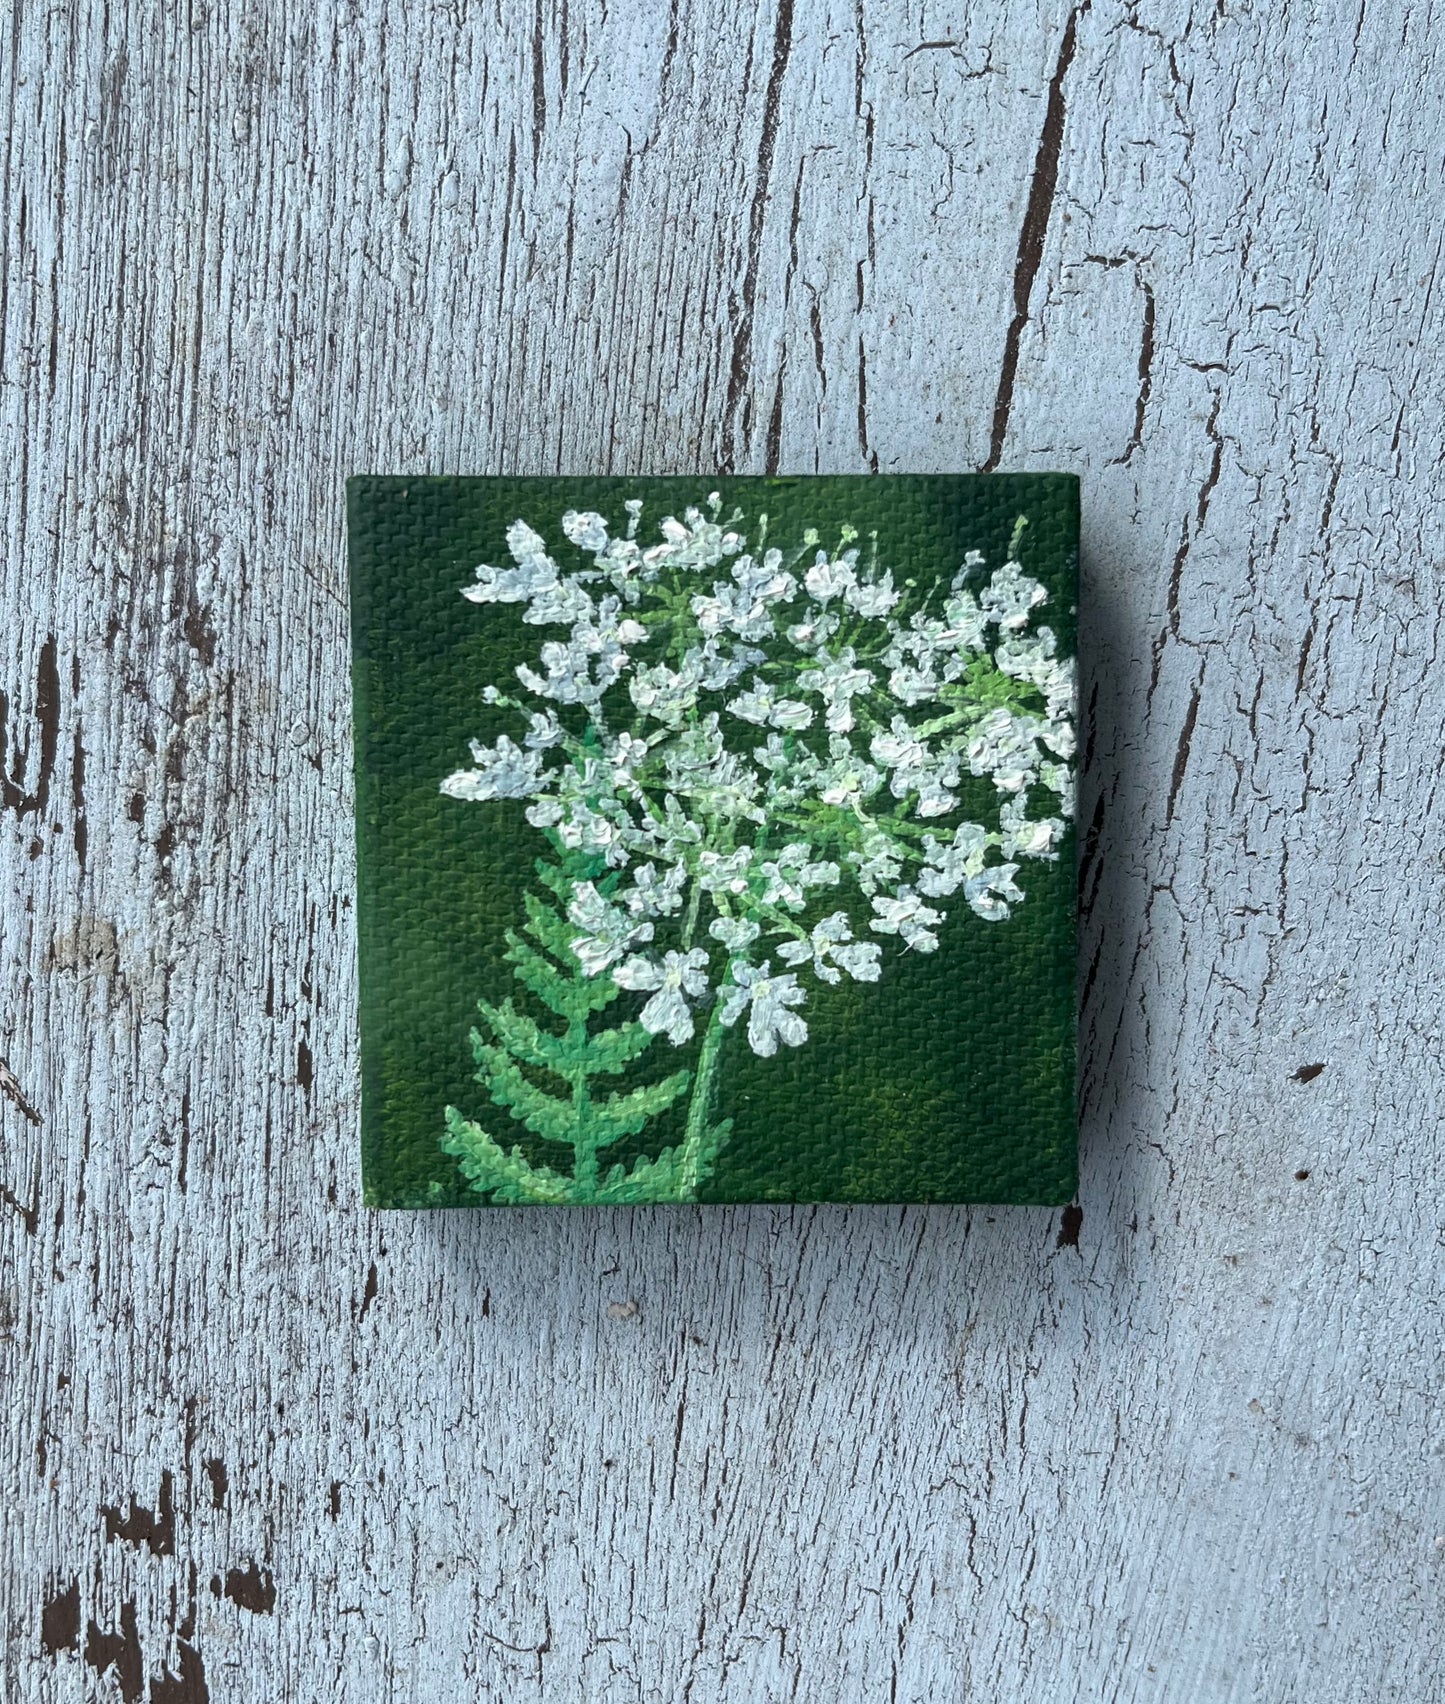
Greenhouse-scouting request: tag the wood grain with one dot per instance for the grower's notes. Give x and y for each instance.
(1180, 1443)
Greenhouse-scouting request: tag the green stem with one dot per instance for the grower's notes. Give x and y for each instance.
(699, 1107)
(689, 927)
(584, 1147)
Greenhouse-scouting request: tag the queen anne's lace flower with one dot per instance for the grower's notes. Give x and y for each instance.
(559, 605)
(586, 529)
(1059, 779)
(873, 597)
(503, 772)
(652, 895)
(878, 861)
(609, 933)
(534, 574)
(627, 754)
(1004, 745)
(967, 623)
(765, 706)
(827, 580)
(680, 977)
(833, 950)
(724, 873)
(732, 609)
(848, 779)
(819, 627)
(838, 681)
(913, 686)
(569, 677)
(735, 933)
(767, 1000)
(606, 633)
(787, 878)
(545, 732)
(772, 751)
(718, 669)
(908, 916)
(947, 867)
(899, 748)
(667, 694)
(991, 892)
(1022, 836)
(1009, 597)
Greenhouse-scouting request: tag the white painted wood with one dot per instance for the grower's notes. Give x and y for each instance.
(1190, 250)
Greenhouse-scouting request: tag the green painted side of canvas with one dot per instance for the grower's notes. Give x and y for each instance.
(951, 1081)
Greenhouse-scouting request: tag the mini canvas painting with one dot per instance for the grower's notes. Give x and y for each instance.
(715, 838)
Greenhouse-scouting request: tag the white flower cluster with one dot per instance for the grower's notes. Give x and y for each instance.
(743, 739)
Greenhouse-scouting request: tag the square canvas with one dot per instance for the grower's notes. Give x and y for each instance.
(715, 838)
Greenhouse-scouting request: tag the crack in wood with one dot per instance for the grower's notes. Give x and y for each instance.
(11, 1090)
(1035, 226)
(735, 420)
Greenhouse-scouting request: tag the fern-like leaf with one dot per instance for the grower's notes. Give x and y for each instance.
(625, 1115)
(539, 975)
(614, 1050)
(649, 1180)
(529, 1042)
(559, 881)
(662, 1179)
(569, 998)
(544, 1115)
(516, 1055)
(509, 1178)
(566, 1056)
(524, 1039)
(555, 933)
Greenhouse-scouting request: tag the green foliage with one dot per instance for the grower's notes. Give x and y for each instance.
(666, 1177)
(986, 687)
(570, 999)
(508, 1178)
(543, 1078)
(509, 1087)
(625, 1115)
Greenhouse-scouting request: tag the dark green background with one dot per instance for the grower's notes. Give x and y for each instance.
(951, 1080)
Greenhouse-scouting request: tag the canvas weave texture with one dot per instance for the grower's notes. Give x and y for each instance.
(715, 838)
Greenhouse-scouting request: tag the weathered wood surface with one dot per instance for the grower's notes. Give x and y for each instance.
(261, 1444)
